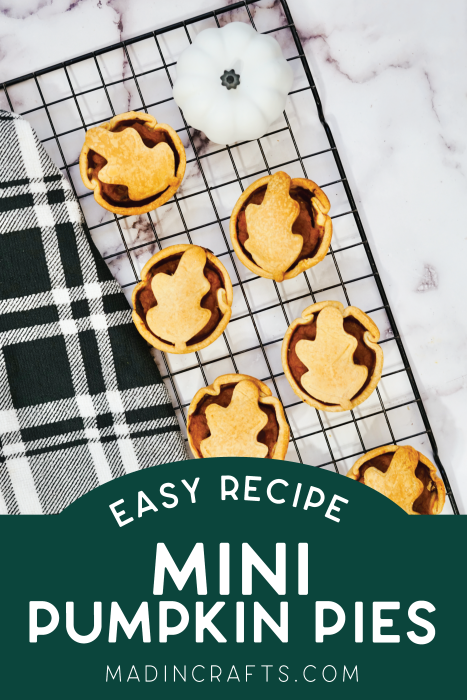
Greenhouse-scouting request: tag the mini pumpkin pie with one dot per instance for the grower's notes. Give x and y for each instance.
(280, 227)
(184, 300)
(331, 356)
(237, 416)
(132, 163)
(405, 476)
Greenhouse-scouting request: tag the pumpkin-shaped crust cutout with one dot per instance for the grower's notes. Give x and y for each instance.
(331, 356)
(237, 416)
(405, 476)
(132, 163)
(184, 300)
(280, 226)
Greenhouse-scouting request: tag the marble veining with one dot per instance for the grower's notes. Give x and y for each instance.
(429, 280)
(393, 84)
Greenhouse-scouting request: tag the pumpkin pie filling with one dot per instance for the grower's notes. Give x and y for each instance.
(199, 429)
(423, 503)
(303, 225)
(146, 300)
(363, 355)
(117, 195)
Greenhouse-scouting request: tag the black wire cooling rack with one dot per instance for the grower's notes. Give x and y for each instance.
(62, 101)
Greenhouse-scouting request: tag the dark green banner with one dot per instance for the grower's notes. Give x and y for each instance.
(229, 577)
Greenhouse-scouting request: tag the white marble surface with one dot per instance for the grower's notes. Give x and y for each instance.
(393, 83)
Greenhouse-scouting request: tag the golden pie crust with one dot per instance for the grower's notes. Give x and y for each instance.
(185, 293)
(405, 476)
(331, 356)
(287, 223)
(132, 163)
(237, 416)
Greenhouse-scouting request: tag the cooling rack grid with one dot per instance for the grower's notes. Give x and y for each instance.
(62, 101)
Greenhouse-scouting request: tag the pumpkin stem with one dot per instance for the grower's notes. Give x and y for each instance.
(230, 79)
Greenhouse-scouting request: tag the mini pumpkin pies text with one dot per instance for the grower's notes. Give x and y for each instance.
(331, 356)
(237, 416)
(184, 300)
(132, 163)
(280, 227)
(405, 476)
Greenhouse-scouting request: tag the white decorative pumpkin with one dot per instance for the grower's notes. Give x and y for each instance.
(232, 83)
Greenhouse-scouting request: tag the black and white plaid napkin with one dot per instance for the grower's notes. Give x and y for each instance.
(81, 400)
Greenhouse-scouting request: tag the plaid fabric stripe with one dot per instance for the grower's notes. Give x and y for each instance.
(81, 400)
